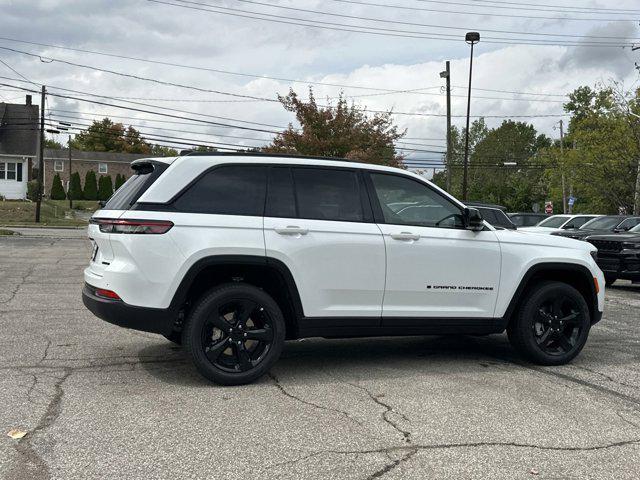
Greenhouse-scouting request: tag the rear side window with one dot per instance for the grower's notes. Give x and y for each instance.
(281, 200)
(227, 190)
(328, 194)
(144, 176)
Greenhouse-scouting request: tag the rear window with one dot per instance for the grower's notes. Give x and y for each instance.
(143, 177)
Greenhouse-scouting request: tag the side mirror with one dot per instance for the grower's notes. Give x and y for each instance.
(102, 203)
(473, 219)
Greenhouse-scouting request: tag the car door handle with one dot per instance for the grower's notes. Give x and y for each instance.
(291, 230)
(405, 236)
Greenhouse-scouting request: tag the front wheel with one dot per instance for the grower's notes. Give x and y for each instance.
(552, 324)
(234, 334)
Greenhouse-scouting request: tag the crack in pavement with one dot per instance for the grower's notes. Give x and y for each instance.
(411, 450)
(388, 410)
(19, 284)
(25, 447)
(306, 402)
(607, 377)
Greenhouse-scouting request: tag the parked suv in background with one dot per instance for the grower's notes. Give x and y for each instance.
(558, 223)
(231, 254)
(618, 255)
(527, 219)
(494, 214)
(601, 225)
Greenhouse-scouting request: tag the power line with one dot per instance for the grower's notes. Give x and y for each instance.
(371, 30)
(461, 29)
(458, 12)
(538, 7)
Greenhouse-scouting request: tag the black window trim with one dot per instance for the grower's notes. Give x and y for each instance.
(377, 209)
(365, 200)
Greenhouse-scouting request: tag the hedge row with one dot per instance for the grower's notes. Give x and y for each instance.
(94, 189)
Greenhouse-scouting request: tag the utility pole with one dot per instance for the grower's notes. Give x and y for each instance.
(447, 75)
(69, 187)
(564, 191)
(40, 155)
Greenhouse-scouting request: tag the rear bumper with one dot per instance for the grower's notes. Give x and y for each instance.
(154, 320)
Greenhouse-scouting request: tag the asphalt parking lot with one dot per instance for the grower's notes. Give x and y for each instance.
(98, 401)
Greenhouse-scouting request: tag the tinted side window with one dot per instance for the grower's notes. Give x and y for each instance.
(489, 215)
(281, 200)
(408, 202)
(227, 190)
(327, 194)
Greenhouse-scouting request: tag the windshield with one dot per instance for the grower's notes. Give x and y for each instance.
(601, 223)
(554, 222)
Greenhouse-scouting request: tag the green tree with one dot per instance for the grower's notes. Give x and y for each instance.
(50, 143)
(337, 131)
(107, 136)
(90, 191)
(105, 187)
(75, 188)
(162, 151)
(57, 190)
(120, 179)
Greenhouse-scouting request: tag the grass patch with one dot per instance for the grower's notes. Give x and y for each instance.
(52, 212)
(4, 231)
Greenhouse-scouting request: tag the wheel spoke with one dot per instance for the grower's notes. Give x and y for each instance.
(564, 342)
(544, 315)
(215, 349)
(260, 334)
(557, 306)
(545, 337)
(244, 360)
(220, 322)
(245, 309)
(571, 318)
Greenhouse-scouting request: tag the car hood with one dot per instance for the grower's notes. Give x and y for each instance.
(617, 237)
(539, 239)
(579, 233)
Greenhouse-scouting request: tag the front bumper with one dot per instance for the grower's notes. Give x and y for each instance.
(624, 264)
(117, 312)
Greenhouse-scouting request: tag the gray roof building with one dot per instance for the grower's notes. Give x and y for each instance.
(18, 128)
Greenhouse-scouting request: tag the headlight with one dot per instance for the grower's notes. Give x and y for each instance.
(594, 255)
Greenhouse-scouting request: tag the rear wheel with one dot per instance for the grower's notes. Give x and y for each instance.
(552, 324)
(234, 334)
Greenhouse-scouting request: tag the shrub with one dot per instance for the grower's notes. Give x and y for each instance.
(120, 179)
(75, 188)
(90, 191)
(105, 187)
(32, 190)
(57, 190)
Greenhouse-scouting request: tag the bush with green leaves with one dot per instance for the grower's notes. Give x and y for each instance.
(75, 187)
(57, 190)
(105, 187)
(120, 179)
(90, 191)
(32, 190)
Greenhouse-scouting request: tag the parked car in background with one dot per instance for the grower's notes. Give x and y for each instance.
(602, 225)
(494, 214)
(527, 219)
(560, 222)
(618, 255)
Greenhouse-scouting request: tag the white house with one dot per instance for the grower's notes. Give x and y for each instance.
(18, 144)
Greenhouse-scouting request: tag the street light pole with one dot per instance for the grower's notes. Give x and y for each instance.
(40, 156)
(471, 38)
(447, 75)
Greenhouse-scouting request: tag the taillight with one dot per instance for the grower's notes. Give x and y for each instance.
(132, 226)
(101, 292)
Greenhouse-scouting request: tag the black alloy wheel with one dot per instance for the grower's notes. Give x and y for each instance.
(552, 324)
(234, 334)
(237, 336)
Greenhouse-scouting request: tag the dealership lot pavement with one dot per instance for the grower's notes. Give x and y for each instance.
(102, 402)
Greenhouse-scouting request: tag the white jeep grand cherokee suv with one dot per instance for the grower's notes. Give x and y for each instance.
(231, 254)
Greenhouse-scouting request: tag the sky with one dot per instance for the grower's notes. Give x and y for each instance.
(382, 54)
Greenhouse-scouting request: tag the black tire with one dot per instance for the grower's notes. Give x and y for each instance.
(175, 337)
(551, 325)
(234, 334)
(609, 279)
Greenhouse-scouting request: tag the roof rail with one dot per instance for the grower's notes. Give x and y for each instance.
(192, 153)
